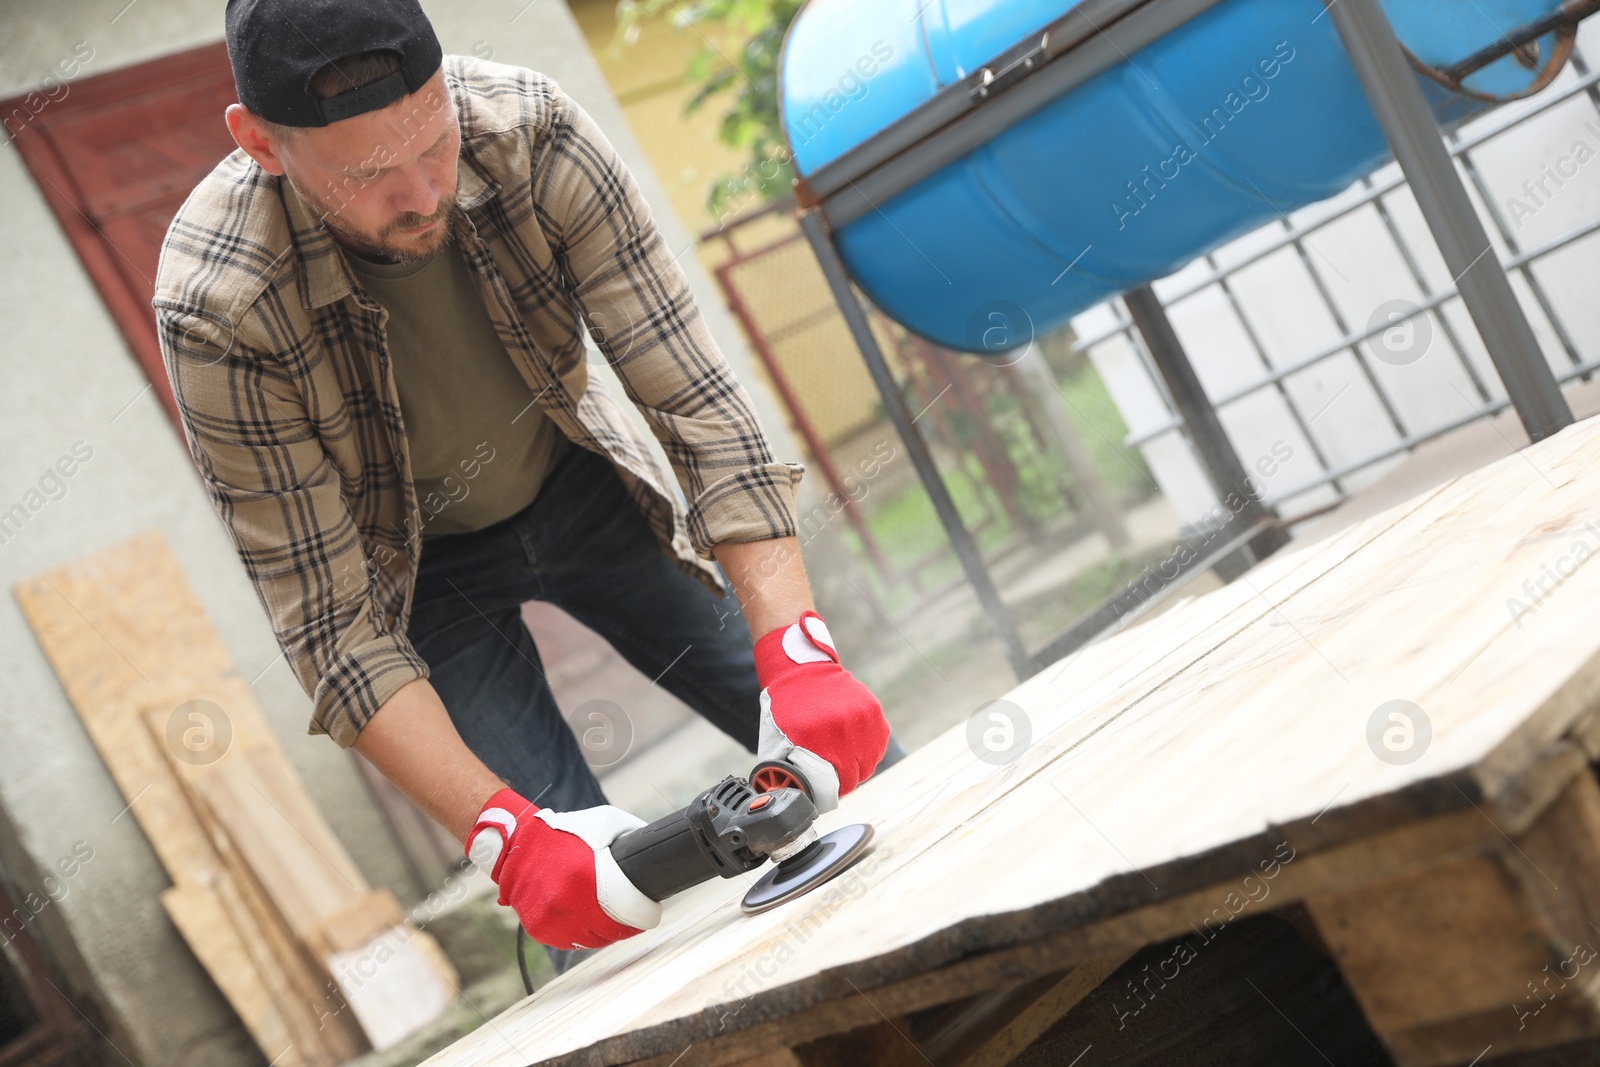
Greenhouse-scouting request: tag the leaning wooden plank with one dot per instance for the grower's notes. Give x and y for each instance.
(397, 978)
(390, 976)
(358, 923)
(281, 788)
(322, 1034)
(1231, 736)
(307, 888)
(111, 662)
(361, 953)
(367, 925)
(393, 979)
(103, 669)
(200, 916)
(125, 632)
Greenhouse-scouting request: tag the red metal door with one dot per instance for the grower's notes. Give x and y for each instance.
(115, 157)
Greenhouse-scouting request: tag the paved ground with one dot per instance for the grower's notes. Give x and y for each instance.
(1473, 446)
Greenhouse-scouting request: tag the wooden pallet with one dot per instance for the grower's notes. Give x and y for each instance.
(1208, 764)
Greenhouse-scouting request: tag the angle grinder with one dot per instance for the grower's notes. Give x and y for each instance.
(733, 828)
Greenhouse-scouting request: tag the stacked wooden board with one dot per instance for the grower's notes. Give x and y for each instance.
(1238, 748)
(318, 964)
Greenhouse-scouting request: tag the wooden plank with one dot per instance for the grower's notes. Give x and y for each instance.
(1495, 950)
(305, 886)
(298, 983)
(884, 1044)
(123, 631)
(993, 1029)
(283, 790)
(199, 914)
(1166, 762)
(390, 975)
(358, 922)
(394, 980)
(161, 699)
(99, 680)
(931, 980)
(340, 944)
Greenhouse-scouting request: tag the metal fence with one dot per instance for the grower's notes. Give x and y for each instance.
(993, 432)
(1259, 377)
(1379, 192)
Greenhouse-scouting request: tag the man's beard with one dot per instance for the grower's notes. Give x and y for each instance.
(376, 246)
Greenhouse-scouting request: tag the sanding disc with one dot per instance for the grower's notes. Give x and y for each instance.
(798, 875)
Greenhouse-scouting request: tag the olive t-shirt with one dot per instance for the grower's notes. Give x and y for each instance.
(480, 447)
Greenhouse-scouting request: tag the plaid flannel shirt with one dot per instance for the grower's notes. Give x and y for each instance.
(288, 403)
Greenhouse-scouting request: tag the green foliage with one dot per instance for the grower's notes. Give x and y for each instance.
(748, 74)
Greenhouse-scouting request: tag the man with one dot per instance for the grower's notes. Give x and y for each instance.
(370, 316)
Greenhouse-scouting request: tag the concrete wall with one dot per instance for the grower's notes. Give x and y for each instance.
(70, 377)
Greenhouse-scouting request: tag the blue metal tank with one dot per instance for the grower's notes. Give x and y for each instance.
(1242, 114)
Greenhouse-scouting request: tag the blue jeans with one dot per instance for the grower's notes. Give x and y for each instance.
(585, 547)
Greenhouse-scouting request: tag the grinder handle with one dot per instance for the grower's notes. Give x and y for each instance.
(663, 858)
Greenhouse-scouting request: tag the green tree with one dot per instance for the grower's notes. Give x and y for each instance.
(747, 77)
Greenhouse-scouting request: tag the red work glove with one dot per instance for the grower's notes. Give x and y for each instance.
(814, 713)
(555, 870)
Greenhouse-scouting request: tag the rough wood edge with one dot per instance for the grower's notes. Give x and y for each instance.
(978, 955)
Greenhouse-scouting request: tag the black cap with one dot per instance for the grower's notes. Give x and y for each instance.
(275, 46)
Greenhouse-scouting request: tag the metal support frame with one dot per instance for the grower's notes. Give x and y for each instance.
(966, 548)
(1044, 67)
(1251, 528)
(1567, 16)
(1119, 610)
(1397, 101)
(1211, 444)
(803, 424)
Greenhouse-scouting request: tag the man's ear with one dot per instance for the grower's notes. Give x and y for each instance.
(250, 134)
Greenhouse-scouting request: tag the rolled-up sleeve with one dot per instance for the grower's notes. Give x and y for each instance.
(627, 280)
(279, 498)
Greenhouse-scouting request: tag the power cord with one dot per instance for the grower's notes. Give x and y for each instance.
(522, 960)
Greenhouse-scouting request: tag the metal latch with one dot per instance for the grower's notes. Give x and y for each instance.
(988, 81)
